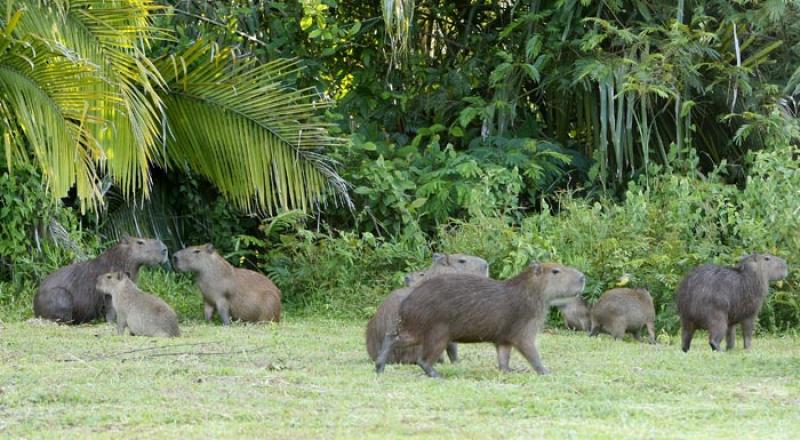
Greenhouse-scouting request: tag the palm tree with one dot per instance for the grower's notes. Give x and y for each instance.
(81, 99)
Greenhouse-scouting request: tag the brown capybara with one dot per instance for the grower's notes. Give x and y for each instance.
(69, 295)
(387, 314)
(716, 298)
(576, 314)
(469, 308)
(623, 309)
(143, 314)
(234, 293)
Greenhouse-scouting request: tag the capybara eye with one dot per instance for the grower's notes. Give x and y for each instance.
(556, 270)
(462, 261)
(139, 242)
(196, 251)
(766, 258)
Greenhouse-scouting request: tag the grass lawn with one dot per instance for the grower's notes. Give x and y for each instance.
(312, 379)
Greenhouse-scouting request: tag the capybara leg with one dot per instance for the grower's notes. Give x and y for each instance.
(716, 332)
(223, 308)
(651, 333)
(55, 305)
(428, 369)
(730, 337)
(452, 352)
(527, 347)
(120, 327)
(433, 345)
(386, 348)
(687, 332)
(617, 331)
(747, 331)
(595, 330)
(503, 356)
(208, 311)
(638, 334)
(111, 314)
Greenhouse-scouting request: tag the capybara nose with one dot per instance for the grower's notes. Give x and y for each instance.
(164, 251)
(407, 280)
(175, 259)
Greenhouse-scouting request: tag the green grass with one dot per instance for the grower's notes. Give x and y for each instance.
(311, 379)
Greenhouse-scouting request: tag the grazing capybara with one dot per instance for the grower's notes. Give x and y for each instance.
(576, 314)
(234, 293)
(69, 295)
(716, 298)
(143, 314)
(470, 308)
(620, 310)
(388, 312)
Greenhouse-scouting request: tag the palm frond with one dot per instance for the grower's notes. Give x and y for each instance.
(237, 123)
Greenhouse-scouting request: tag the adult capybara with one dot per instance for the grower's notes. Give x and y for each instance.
(470, 308)
(576, 314)
(143, 314)
(623, 309)
(234, 293)
(388, 312)
(716, 298)
(69, 294)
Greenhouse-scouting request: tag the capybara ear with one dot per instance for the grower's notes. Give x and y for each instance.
(537, 268)
(441, 258)
(125, 238)
(128, 274)
(119, 275)
(209, 248)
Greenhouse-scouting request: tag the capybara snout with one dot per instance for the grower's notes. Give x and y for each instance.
(562, 281)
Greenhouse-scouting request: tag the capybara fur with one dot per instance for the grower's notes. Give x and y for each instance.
(69, 295)
(716, 298)
(388, 312)
(234, 293)
(623, 309)
(469, 308)
(143, 314)
(576, 314)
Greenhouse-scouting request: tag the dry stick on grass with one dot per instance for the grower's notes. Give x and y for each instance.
(175, 353)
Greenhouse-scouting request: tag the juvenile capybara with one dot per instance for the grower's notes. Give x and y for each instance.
(69, 295)
(576, 314)
(388, 312)
(234, 293)
(622, 309)
(716, 298)
(143, 314)
(470, 308)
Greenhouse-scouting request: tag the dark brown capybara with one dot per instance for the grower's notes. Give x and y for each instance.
(622, 309)
(716, 298)
(143, 314)
(388, 312)
(234, 293)
(576, 313)
(469, 308)
(69, 295)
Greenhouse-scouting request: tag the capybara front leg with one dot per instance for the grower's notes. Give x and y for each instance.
(223, 308)
(687, 332)
(527, 347)
(121, 326)
(208, 311)
(452, 352)
(503, 356)
(730, 337)
(651, 333)
(111, 314)
(716, 332)
(386, 347)
(747, 331)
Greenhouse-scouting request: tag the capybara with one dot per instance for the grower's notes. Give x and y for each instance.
(716, 298)
(387, 314)
(469, 308)
(622, 309)
(143, 314)
(234, 293)
(576, 314)
(69, 295)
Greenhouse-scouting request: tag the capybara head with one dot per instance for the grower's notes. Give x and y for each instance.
(556, 281)
(414, 278)
(144, 250)
(461, 263)
(194, 258)
(111, 283)
(774, 268)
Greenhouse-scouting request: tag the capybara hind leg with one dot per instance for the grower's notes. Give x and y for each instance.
(55, 305)
(617, 331)
(387, 346)
(432, 347)
(687, 332)
(503, 357)
(452, 352)
(716, 332)
(527, 347)
(747, 331)
(208, 311)
(651, 333)
(730, 337)
(595, 330)
(638, 334)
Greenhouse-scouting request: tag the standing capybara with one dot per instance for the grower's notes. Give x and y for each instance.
(576, 314)
(143, 314)
(623, 309)
(69, 294)
(717, 298)
(388, 313)
(470, 308)
(234, 293)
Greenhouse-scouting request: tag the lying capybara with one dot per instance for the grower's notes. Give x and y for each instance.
(576, 314)
(622, 309)
(470, 308)
(717, 298)
(388, 312)
(69, 294)
(234, 293)
(143, 314)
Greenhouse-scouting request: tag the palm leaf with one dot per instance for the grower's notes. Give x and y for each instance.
(237, 123)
